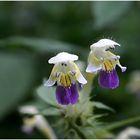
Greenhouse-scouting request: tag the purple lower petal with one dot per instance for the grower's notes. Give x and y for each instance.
(62, 95)
(108, 79)
(67, 95)
(74, 94)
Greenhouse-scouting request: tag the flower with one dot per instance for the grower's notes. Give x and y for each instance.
(102, 60)
(129, 133)
(35, 120)
(67, 75)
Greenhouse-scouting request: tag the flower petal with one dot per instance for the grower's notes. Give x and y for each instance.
(74, 94)
(104, 44)
(81, 79)
(122, 67)
(77, 74)
(62, 95)
(49, 82)
(92, 68)
(27, 129)
(67, 95)
(53, 77)
(62, 57)
(108, 79)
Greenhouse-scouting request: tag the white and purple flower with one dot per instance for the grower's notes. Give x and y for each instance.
(103, 61)
(67, 75)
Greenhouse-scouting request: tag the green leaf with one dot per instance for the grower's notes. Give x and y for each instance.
(102, 106)
(93, 119)
(42, 107)
(41, 45)
(106, 12)
(47, 94)
(17, 74)
(51, 111)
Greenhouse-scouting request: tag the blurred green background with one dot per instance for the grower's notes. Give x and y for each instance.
(32, 32)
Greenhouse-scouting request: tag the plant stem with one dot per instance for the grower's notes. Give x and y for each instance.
(122, 123)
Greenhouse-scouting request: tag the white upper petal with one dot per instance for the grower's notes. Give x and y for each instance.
(104, 43)
(28, 109)
(62, 57)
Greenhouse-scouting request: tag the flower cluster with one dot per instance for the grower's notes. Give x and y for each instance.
(68, 76)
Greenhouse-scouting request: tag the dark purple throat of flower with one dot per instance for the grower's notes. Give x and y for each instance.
(108, 80)
(67, 95)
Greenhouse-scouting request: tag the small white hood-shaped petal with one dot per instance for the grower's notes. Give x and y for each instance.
(105, 44)
(62, 57)
(28, 109)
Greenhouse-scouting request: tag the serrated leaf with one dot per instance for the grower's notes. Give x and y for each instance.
(48, 95)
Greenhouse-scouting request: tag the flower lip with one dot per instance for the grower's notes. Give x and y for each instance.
(108, 80)
(104, 43)
(67, 96)
(62, 57)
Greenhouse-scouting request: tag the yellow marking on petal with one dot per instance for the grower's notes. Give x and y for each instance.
(68, 80)
(62, 80)
(108, 65)
(65, 80)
